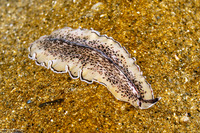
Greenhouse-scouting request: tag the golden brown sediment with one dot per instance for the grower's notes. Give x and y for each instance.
(163, 35)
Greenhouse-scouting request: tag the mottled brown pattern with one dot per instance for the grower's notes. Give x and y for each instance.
(117, 57)
(67, 51)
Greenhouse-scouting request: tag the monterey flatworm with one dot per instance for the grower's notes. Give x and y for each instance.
(94, 57)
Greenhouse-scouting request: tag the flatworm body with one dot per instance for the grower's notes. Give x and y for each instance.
(93, 57)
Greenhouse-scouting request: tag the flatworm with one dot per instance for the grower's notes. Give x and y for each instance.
(93, 57)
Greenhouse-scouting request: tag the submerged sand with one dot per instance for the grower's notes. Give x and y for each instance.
(163, 36)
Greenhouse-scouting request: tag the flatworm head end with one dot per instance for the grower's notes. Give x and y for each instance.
(145, 104)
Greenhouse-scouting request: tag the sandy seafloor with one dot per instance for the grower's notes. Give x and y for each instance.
(163, 35)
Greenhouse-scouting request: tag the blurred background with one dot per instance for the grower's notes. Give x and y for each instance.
(163, 36)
